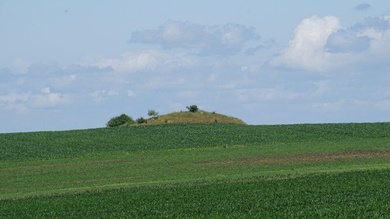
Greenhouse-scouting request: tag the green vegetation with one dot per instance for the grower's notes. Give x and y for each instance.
(63, 144)
(193, 115)
(199, 116)
(121, 120)
(362, 194)
(141, 120)
(153, 113)
(192, 108)
(198, 171)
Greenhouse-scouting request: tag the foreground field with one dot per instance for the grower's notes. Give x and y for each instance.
(215, 170)
(362, 194)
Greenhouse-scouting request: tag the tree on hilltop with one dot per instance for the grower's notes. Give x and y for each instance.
(192, 108)
(153, 113)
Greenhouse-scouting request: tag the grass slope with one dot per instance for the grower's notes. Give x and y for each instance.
(194, 117)
(197, 170)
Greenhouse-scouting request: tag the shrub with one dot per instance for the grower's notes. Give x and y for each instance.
(141, 120)
(192, 108)
(120, 121)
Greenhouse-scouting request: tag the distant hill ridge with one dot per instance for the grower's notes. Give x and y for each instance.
(194, 117)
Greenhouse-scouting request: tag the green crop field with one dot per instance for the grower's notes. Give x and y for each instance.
(198, 171)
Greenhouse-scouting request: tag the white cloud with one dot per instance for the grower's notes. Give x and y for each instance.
(322, 45)
(133, 62)
(47, 98)
(226, 39)
(13, 101)
(100, 95)
(306, 49)
(104, 93)
(151, 60)
(26, 100)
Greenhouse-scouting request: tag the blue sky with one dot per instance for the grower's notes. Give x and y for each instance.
(75, 64)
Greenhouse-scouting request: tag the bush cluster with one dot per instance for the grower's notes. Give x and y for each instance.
(121, 120)
(141, 120)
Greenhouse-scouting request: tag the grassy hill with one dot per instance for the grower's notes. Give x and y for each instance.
(198, 171)
(194, 117)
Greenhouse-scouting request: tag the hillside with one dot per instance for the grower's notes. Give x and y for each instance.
(194, 117)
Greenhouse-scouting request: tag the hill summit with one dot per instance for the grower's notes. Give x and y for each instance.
(199, 116)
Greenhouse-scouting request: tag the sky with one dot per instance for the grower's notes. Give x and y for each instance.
(76, 64)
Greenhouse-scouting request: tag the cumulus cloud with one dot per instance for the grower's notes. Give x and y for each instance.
(306, 49)
(321, 44)
(362, 7)
(227, 39)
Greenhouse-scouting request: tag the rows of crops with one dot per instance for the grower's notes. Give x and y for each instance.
(20, 146)
(362, 194)
(198, 171)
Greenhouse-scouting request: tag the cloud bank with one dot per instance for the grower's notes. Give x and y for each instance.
(227, 39)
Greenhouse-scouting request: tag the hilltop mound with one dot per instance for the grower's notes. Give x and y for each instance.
(194, 117)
